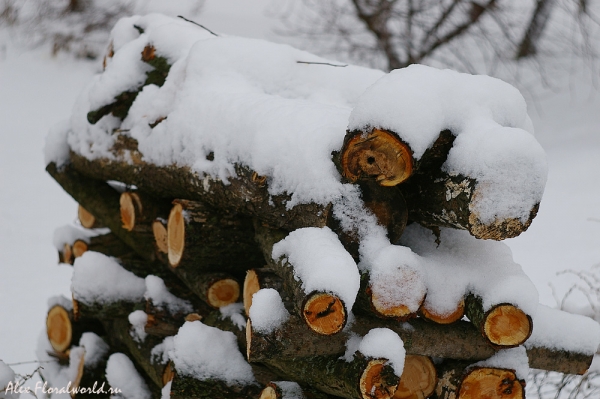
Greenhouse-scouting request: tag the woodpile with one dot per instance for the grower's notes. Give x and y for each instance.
(170, 253)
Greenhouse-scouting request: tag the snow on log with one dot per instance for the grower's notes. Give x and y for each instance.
(494, 175)
(320, 276)
(121, 373)
(444, 317)
(257, 279)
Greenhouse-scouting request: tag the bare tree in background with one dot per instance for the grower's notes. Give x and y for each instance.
(477, 36)
(80, 27)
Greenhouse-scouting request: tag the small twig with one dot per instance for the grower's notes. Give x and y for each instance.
(31, 362)
(197, 24)
(321, 63)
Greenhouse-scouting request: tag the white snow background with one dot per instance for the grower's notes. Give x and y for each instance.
(37, 91)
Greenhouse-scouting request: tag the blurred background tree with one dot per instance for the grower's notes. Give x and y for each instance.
(80, 27)
(504, 38)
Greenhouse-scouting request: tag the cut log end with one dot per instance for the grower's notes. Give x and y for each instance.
(130, 206)
(251, 287)
(160, 236)
(59, 328)
(248, 338)
(499, 229)
(66, 256)
(175, 235)
(324, 313)
(269, 393)
(375, 383)
(446, 318)
(79, 376)
(223, 292)
(491, 383)
(507, 325)
(379, 155)
(86, 219)
(418, 379)
(168, 373)
(79, 248)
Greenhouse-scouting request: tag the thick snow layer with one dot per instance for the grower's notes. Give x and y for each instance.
(513, 359)
(267, 312)
(489, 119)
(235, 312)
(555, 329)
(100, 279)
(320, 262)
(7, 382)
(95, 348)
(462, 264)
(157, 292)
(207, 353)
(165, 392)
(121, 374)
(379, 343)
(138, 320)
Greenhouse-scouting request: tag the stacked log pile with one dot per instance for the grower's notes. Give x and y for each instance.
(204, 286)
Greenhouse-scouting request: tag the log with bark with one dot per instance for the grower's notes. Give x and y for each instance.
(453, 341)
(434, 198)
(185, 387)
(447, 318)
(503, 325)
(291, 390)
(86, 219)
(63, 330)
(361, 378)
(458, 381)
(139, 210)
(323, 312)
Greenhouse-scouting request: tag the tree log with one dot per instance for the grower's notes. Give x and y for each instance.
(86, 219)
(217, 289)
(367, 303)
(242, 195)
(503, 325)
(453, 341)
(291, 390)
(418, 379)
(456, 382)
(63, 330)
(118, 330)
(199, 239)
(139, 210)
(449, 318)
(184, 387)
(103, 201)
(378, 155)
(159, 229)
(257, 279)
(66, 255)
(104, 311)
(108, 244)
(361, 378)
(324, 312)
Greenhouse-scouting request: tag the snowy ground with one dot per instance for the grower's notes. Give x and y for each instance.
(37, 91)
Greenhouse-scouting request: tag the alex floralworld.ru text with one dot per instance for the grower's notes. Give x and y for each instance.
(16, 387)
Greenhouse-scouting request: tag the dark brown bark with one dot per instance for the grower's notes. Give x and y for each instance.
(185, 387)
(361, 378)
(140, 210)
(201, 239)
(108, 244)
(242, 195)
(280, 390)
(324, 312)
(453, 341)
